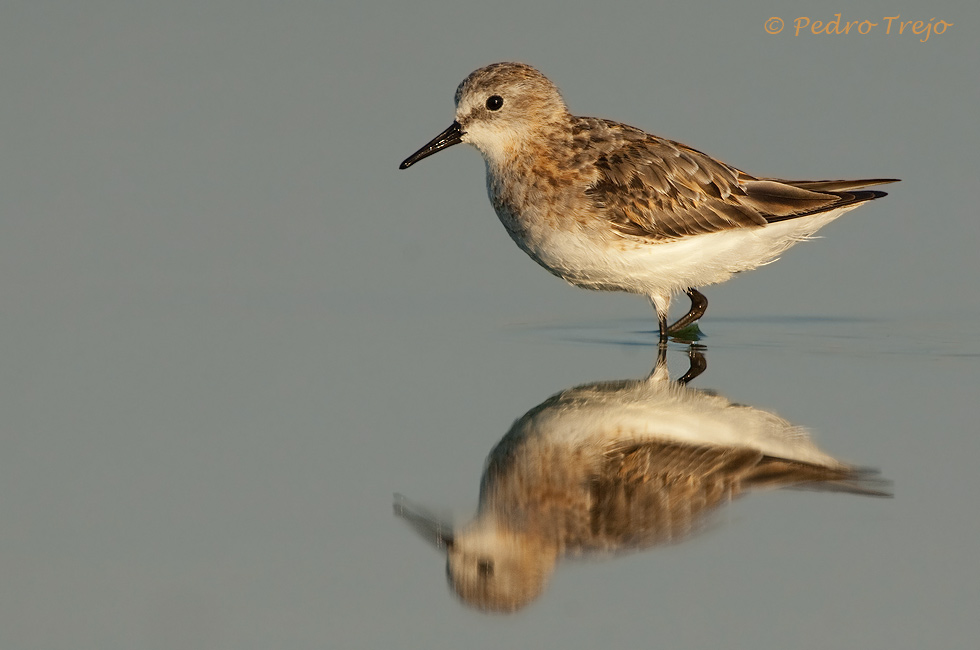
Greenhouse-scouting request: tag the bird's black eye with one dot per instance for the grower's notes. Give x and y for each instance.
(485, 568)
(494, 102)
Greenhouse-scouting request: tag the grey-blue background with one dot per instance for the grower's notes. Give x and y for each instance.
(230, 328)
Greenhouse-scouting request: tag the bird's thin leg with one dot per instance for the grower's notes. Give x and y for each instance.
(661, 305)
(698, 306)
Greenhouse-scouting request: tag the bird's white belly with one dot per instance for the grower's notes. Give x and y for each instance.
(606, 261)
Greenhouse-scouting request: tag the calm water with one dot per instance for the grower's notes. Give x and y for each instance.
(225, 498)
(774, 567)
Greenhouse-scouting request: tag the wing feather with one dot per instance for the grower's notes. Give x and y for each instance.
(653, 188)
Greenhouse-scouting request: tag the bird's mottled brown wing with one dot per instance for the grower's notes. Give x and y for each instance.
(658, 189)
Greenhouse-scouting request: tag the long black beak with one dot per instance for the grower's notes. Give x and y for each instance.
(449, 137)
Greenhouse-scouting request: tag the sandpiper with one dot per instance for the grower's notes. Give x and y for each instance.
(610, 207)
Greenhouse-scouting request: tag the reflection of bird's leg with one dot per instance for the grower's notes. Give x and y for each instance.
(698, 306)
(660, 372)
(698, 364)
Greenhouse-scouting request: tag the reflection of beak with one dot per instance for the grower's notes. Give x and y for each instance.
(449, 137)
(436, 532)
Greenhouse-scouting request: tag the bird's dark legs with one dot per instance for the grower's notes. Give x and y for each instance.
(695, 353)
(698, 306)
(661, 305)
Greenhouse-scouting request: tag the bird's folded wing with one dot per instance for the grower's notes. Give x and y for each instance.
(657, 189)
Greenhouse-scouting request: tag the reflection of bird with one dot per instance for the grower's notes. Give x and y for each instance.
(616, 466)
(607, 206)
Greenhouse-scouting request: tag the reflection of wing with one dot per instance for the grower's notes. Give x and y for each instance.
(656, 492)
(658, 189)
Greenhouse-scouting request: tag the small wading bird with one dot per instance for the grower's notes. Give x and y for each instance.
(609, 207)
